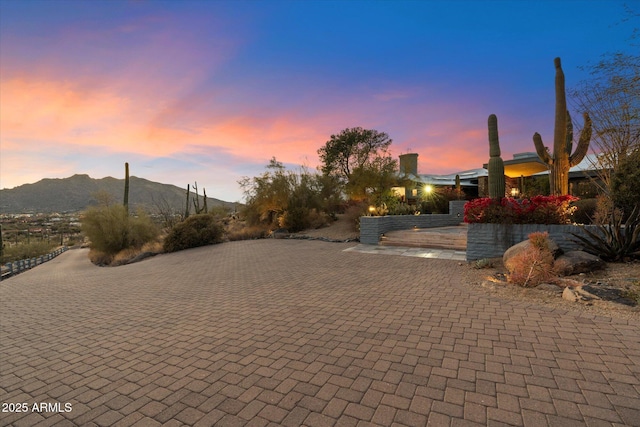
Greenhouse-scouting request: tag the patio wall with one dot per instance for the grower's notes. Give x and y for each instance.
(372, 227)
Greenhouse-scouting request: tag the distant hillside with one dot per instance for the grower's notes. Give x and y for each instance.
(77, 192)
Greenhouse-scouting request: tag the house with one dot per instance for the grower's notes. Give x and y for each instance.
(417, 185)
(525, 174)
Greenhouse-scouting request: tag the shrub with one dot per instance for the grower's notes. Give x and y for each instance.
(536, 210)
(585, 211)
(197, 230)
(110, 229)
(616, 241)
(534, 265)
(27, 250)
(247, 233)
(353, 213)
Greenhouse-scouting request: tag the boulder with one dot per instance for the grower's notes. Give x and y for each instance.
(520, 247)
(575, 262)
(524, 245)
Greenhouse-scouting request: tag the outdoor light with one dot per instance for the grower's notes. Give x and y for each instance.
(372, 210)
(514, 192)
(428, 189)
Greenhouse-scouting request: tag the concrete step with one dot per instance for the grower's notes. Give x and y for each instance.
(440, 238)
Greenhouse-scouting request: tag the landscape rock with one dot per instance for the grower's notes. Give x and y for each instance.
(570, 295)
(575, 262)
(524, 245)
(280, 233)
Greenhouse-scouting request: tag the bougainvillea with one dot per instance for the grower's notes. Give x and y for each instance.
(536, 210)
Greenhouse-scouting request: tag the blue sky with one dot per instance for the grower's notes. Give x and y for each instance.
(209, 91)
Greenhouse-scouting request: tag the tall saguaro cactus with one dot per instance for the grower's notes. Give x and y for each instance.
(562, 160)
(496, 165)
(126, 186)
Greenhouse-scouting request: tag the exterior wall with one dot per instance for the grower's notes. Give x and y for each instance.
(492, 240)
(372, 227)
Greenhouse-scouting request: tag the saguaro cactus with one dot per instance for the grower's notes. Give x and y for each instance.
(126, 186)
(562, 160)
(496, 165)
(186, 211)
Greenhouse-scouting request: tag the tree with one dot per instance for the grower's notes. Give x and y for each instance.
(267, 195)
(611, 96)
(360, 159)
(287, 199)
(625, 182)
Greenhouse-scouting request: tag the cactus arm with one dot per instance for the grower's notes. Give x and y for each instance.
(583, 143)
(569, 137)
(541, 149)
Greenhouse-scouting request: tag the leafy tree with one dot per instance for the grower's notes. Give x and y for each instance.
(360, 159)
(281, 198)
(267, 195)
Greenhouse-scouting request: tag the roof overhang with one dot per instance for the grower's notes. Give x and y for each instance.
(526, 166)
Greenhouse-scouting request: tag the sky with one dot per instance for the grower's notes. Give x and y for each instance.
(209, 91)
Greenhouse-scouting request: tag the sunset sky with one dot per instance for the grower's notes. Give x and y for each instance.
(209, 91)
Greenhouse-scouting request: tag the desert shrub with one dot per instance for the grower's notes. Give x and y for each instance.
(353, 213)
(617, 241)
(536, 210)
(27, 250)
(533, 265)
(248, 232)
(110, 229)
(197, 230)
(100, 258)
(286, 199)
(585, 211)
(404, 209)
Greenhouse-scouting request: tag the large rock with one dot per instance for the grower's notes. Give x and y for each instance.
(575, 262)
(524, 245)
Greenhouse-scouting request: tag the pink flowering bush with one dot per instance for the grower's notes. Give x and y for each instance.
(536, 210)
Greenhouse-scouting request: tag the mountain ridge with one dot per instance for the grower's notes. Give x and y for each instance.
(79, 191)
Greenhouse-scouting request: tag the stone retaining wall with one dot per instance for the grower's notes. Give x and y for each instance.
(372, 227)
(492, 240)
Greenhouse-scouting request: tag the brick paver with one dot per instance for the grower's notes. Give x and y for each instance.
(281, 332)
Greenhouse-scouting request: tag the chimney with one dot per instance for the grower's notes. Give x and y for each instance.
(409, 164)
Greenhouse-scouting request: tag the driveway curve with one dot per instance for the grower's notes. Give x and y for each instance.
(290, 332)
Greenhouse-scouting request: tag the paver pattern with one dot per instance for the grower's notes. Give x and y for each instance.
(286, 332)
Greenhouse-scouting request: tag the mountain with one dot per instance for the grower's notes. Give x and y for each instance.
(78, 192)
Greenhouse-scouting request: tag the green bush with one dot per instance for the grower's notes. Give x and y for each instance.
(197, 230)
(110, 229)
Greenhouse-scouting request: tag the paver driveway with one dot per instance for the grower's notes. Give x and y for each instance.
(295, 333)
